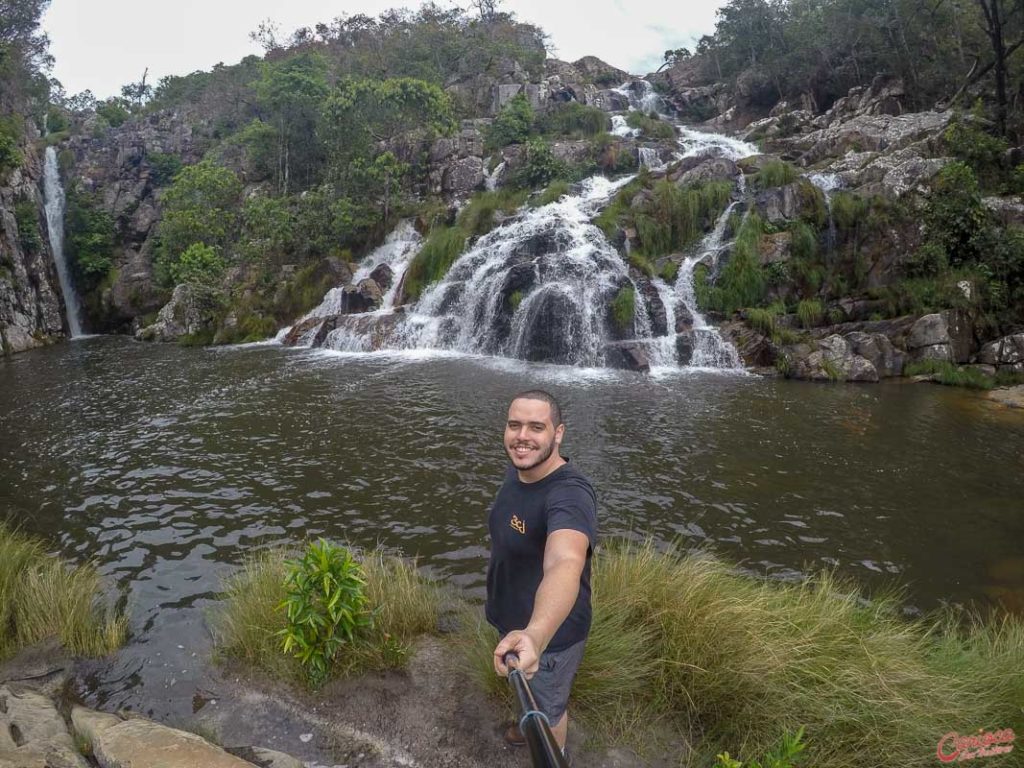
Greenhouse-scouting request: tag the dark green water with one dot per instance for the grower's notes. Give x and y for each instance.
(168, 465)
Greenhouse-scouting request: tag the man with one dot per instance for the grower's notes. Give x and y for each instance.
(543, 527)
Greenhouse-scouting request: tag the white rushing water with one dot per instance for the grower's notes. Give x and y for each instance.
(492, 178)
(53, 194)
(540, 286)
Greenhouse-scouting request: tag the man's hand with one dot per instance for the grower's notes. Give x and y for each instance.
(523, 645)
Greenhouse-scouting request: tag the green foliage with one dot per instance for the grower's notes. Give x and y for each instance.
(478, 217)
(89, 236)
(618, 211)
(955, 215)
(10, 135)
(513, 125)
(113, 111)
(676, 217)
(848, 209)
(554, 192)
(945, 372)
(652, 126)
(198, 264)
(326, 605)
(623, 308)
(725, 660)
(26, 217)
(786, 754)
(540, 167)
(44, 597)
(742, 282)
(573, 119)
(642, 263)
(775, 173)
(984, 153)
(268, 227)
(670, 271)
(612, 155)
(515, 299)
(200, 207)
(762, 320)
(165, 167)
(443, 246)
(249, 625)
(810, 312)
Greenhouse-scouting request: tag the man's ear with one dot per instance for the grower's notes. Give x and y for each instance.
(559, 433)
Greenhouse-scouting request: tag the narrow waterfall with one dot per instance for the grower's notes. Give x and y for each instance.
(53, 195)
(491, 179)
(828, 183)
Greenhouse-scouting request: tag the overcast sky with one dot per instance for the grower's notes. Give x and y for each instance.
(103, 44)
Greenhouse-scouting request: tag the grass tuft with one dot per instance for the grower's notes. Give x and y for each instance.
(404, 605)
(43, 597)
(950, 374)
(731, 662)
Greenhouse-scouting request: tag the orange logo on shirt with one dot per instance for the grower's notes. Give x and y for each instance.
(518, 524)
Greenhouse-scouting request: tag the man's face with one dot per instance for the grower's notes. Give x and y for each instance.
(530, 437)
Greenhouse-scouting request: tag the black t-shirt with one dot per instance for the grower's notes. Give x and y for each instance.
(520, 520)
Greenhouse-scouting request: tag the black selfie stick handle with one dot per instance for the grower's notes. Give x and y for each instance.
(544, 750)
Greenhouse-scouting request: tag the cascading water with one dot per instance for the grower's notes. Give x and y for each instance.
(53, 195)
(491, 179)
(828, 183)
(535, 288)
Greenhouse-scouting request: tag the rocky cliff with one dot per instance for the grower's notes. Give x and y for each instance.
(31, 306)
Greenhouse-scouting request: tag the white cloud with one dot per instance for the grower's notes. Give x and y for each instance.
(102, 44)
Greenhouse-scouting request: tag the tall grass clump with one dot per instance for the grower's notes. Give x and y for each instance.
(742, 282)
(950, 374)
(810, 312)
(623, 308)
(653, 127)
(43, 597)
(574, 119)
(775, 173)
(401, 603)
(734, 662)
(677, 217)
(443, 246)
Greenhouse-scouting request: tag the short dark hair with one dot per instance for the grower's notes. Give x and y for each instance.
(547, 397)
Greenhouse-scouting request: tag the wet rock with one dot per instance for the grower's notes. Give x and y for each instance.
(684, 319)
(712, 169)
(1005, 353)
(655, 307)
(629, 355)
(191, 310)
(685, 343)
(140, 743)
(362, 333)
(364, 297)
(383, 276)
(265, 758)
(554, 333)
(463, 176)
(34, 732)
(877, 349)
(755, 349)
(572, 152)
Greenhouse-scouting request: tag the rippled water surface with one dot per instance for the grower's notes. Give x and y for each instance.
(168, 465)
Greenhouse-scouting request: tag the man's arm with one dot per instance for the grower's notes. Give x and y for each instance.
(565, 554)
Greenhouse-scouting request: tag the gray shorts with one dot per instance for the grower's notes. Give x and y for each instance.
(553, 680)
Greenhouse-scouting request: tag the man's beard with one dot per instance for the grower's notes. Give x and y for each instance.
(544, 456)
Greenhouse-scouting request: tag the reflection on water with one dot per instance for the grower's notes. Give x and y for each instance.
(168, 465)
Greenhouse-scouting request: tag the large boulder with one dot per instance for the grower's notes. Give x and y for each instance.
(364, 297)
(630, 355)
(383, 276)
(1006, 353)
(191, 310)
(460, 177)
(33, 734)
(555, 329)
(878, 350)
(799, 200)
(944, 335)
(830, 359)
(712, 169)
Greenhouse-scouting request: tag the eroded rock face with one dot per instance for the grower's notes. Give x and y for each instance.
(463, 176)
(192, 309)
(944, 335)
(32, 732)
(712, 169)
(830, 359)
(867, 132)
(628, 355)
(779, 205)
(877, 349)
(1006, 353)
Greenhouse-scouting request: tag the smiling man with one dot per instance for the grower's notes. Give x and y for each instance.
(543, 527)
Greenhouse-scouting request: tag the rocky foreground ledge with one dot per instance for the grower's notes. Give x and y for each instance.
(34, 734)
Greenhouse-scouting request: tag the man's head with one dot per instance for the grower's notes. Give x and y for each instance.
(534, 430)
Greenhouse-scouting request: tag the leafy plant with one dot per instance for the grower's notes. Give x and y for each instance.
(326, 606)
(27, 219)
(785, 755)
(199, 264)
(624, 308)
(540, 167)
(652, 127)
(513, 125)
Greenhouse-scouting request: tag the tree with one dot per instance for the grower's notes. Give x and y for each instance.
(514, 123)
(137, 94)
(201, 206)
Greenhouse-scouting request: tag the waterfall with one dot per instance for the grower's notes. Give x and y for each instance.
(648, 158)
(53, 195)
(492, 178)
(696, 143)
(535, 288)
(828, 183)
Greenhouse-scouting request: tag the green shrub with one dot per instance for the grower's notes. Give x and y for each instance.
(513, 125)
(325, 604)
(652, 126)
(623, 308)
(165, 167)
(762, 320)
(848, 210)
(675, 218)
(804, 245)
(618, 211)
(775, 173)
(810, 312)
(670, 271)
(983, 152)
(478, 216)
(443, 246)
(555, 191)
(574, 119)
(540, 167)
(199, 264)
(642, 263)
(10, 135)
(88, 238)
(249, 624)
(113, 112)
(26, 216)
